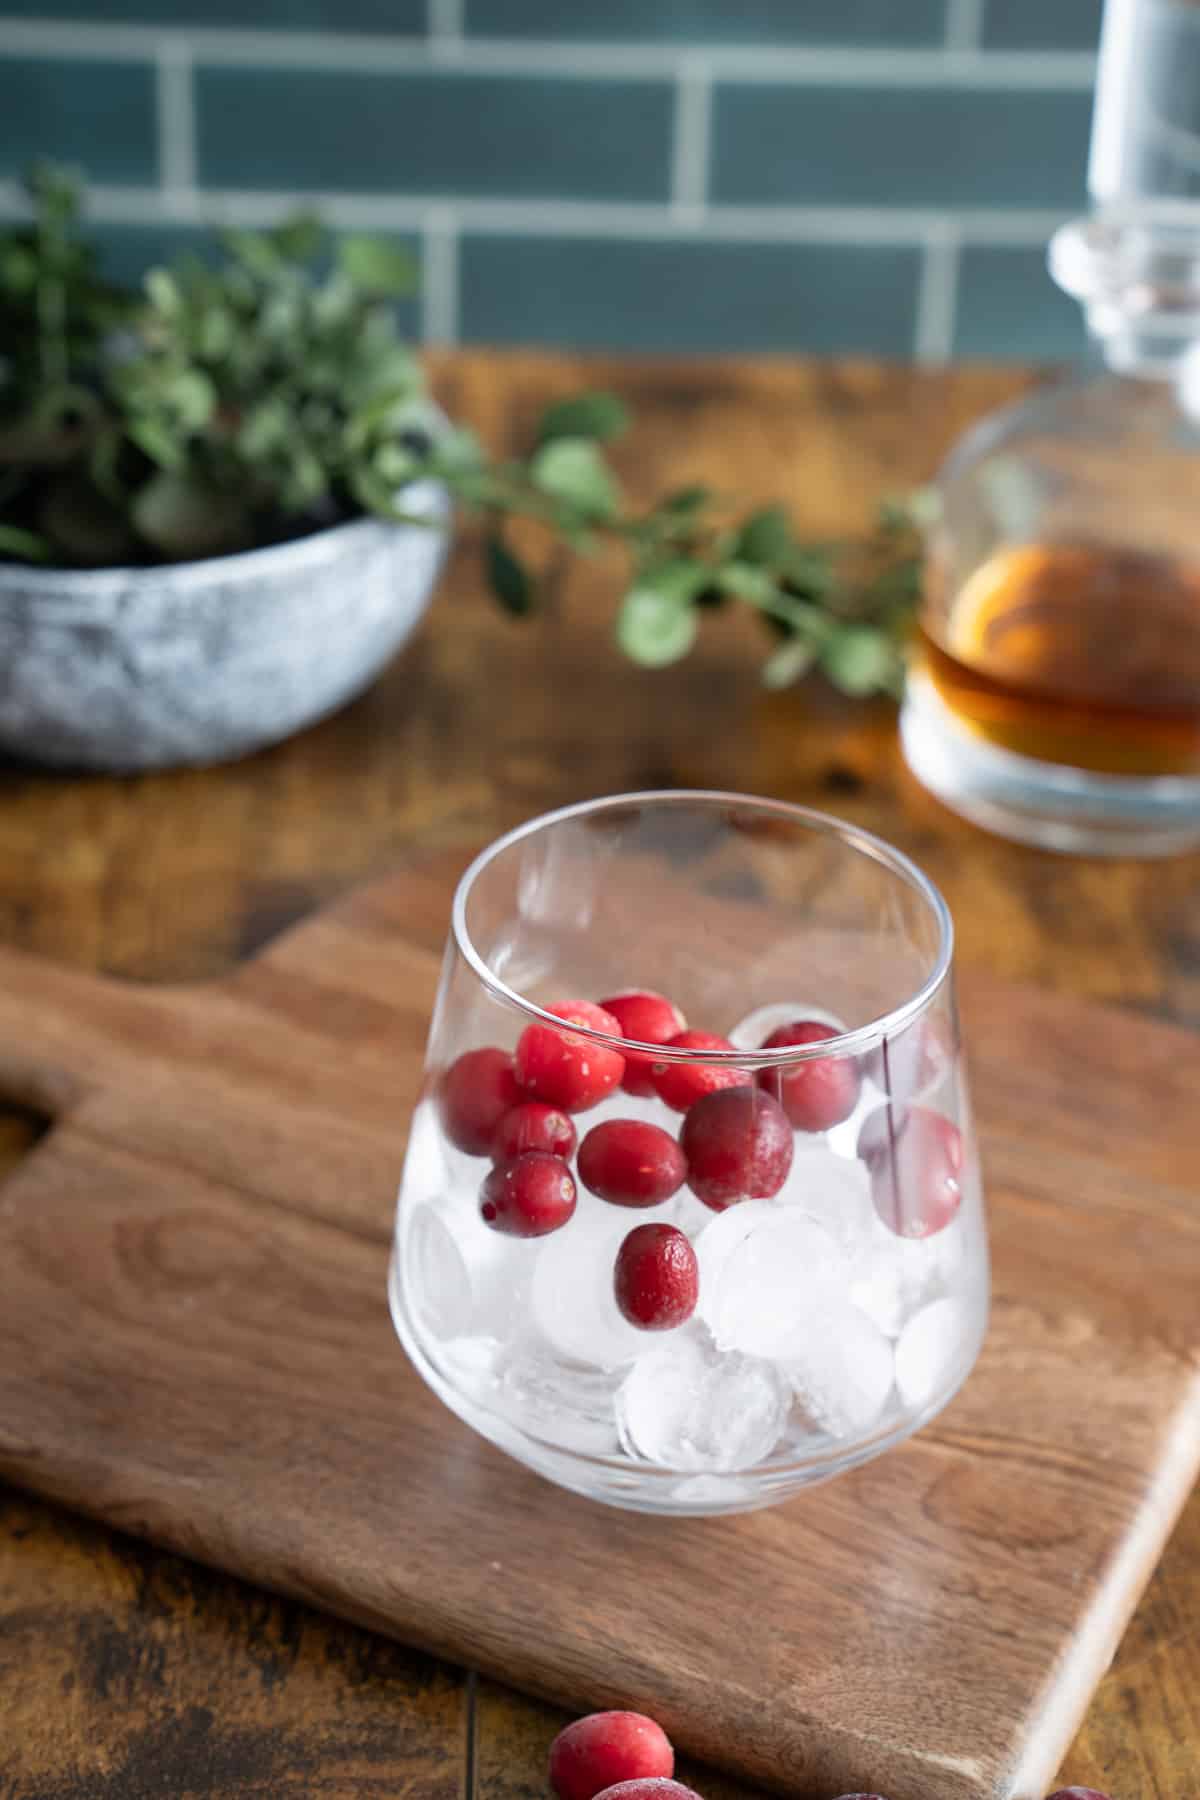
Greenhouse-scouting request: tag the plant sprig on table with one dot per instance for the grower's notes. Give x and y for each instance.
(224, 407)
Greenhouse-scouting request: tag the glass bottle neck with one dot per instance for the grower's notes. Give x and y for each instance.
(1136, 272)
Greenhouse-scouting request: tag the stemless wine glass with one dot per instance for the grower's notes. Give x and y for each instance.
(691, 1213)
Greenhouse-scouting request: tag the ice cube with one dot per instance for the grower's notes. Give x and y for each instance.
(752, 1032)
(427, 1175)
(436, 1275)
(835, 1191)
(688, 1406)
(499, 1268)
(929, 1349)
(568, 1406)
(718, 1240)
(895, 1276)
(572, 1300)
(840, 1366)
(785, 1267)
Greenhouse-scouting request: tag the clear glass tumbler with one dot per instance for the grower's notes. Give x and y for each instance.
(691, 1213)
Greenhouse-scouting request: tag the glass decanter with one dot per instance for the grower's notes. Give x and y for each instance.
(1056, 692)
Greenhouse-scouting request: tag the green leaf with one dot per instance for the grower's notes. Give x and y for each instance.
(158, 443)
(766, 537)
(745, 582)
(787, 664)
(299, 238)
(183, 517)
(26, 546)
(860, 660)
(378, 265)
(508, 578)
(264, 427)
(162, 291)
(686, 500)
(193, 397)
(654, 630)
(597, 416)
(573, 469)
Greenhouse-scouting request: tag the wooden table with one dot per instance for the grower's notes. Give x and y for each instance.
(126, 1674)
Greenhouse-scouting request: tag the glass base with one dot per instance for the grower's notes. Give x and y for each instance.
(677, 1493)
(1047, 804)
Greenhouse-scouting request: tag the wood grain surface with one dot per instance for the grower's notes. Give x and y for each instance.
(195, 1346)
(482, 722)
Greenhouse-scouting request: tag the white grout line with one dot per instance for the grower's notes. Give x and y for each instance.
(566, 218)
(370, 54)
(445, 26)
(690, 142)
(964, 24)
(176, 117)
(937, 298)
(439, 278)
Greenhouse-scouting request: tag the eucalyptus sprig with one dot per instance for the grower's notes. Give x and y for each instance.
(238, 403)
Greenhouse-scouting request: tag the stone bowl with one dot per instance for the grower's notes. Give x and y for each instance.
(192, 663)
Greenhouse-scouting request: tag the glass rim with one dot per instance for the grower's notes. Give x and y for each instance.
(843, 1043)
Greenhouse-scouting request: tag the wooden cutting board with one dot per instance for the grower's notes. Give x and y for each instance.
(195, 1346)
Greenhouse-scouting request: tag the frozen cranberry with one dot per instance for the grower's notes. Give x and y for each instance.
(528, 1197)
(738, 1145)
(657, 1277)
(533, 1126)
(604, 1748)
(815, 1095)
(476, 1091)
(652, 1787)
(682, 1084)
(911, 1061)
(647, 1018)
(631, 1162)
(915, 1159)
(564, 1069)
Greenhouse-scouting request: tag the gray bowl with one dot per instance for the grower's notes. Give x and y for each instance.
(125, 669)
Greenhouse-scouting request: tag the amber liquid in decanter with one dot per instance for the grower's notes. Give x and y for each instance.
(1075, 654)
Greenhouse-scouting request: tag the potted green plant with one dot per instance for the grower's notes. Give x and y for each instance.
(225, 497)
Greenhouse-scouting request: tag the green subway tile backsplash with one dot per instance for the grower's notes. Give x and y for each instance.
(713, 21)
(516, 137)
(99, 116)
(407, 16)
(575, 173)
(602, 294)
(901, 146)
(1009, 310)
(1042, 24)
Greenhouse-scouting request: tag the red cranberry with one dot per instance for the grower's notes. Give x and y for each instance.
(912, 1060)
(915, 1159)
(647, 1018)
(631, 1162)
(1078, 1793)
(860, 1797)
(528, 1197)
(476, 1091)
(650, 1787)
(657, 1277)
(604, 1748)
(815, 1095)
(738, 1145)
(533, 1126)
(564, 1069)
(682, 1084)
